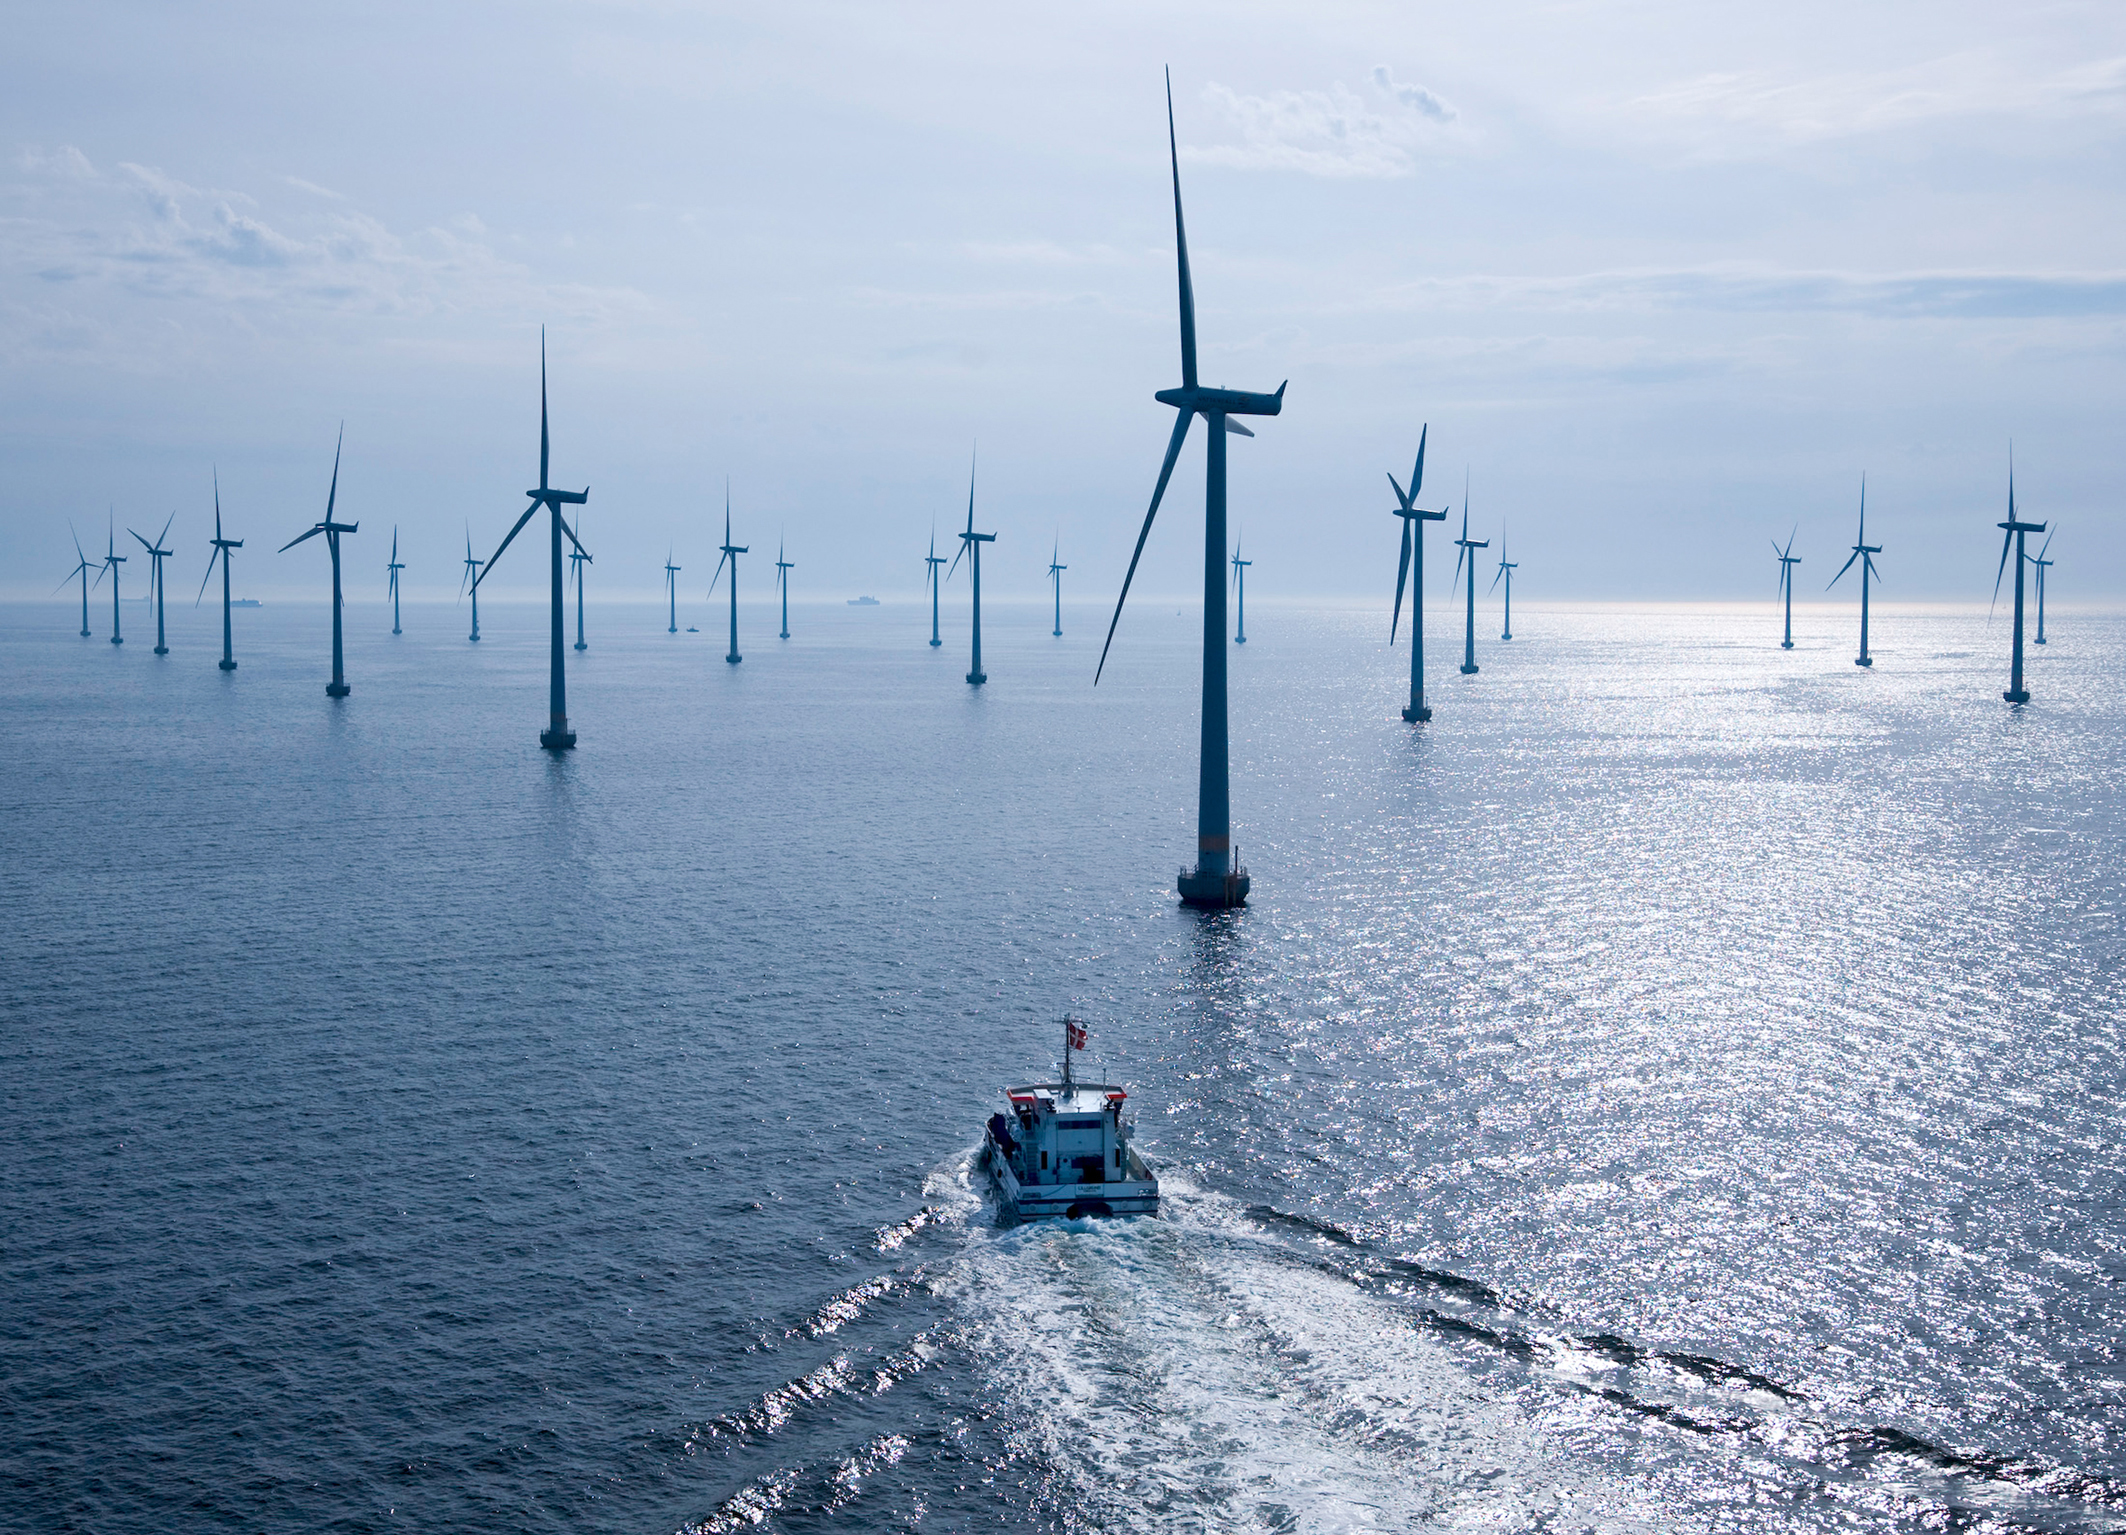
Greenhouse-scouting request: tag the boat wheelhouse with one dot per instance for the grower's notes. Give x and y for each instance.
(1064, 1149)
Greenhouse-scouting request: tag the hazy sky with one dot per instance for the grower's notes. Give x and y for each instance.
(1664, 278)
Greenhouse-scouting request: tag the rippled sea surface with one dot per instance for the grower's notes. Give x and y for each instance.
(1678, 1089)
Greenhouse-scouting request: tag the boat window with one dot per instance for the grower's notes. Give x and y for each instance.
(1081, 1124)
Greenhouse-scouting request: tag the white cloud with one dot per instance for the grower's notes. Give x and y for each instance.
(1334, 132)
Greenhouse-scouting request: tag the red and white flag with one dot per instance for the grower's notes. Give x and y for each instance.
(1076, 1031)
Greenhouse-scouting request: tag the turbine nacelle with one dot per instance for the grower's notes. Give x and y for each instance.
(1223, 402)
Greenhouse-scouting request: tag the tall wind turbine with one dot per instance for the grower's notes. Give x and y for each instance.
(112, 559)
(1217, 880)
(222, 546)
(1865, 552)
(578, 559)
(931, 563)
(1055, 577)
(671, 589)
(556, 736)
(2016, 531)
(1788, 559)
(1414, 520)
(783, 568)
(1506, 569)
(157, 554)
(973, 540)
(394, 568)
(470, 581)
(731, 552)
(1468, 546)
(1240, 593)
(82, 566)
(337, 687)
(2040, 564)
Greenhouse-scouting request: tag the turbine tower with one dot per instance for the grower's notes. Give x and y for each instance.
(2040, 564)
(112, 559)
(1414, 520)
(2016, 531)
(337, 687)
(1468, 546)
(1217, 880)
(577, 559)
(1240, 593)
(731, 552)
(671, 589)
(556, 737)
(1865, 552)
(973, 540)
(1506, 569)
(1055, 577)
(394, 567)
(783, 568)
(222, 546)
(471, 581)
(82, 566)
(931, 563)
(1788, 559)
(157, 554)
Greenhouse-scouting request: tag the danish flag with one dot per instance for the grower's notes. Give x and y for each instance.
(1076, 1033)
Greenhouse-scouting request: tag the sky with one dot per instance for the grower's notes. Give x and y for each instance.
(1663, 281)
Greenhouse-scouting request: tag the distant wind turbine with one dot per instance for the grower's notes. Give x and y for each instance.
(974, 541)
(1414, 519)
(112, 559)
(337, 687)
(82, 566)
(731, 552)
(931, 562)
(222, 546)
(1865, 552)
(1240, 595)
(2016, 531)
(1788, 559)
(1055, 577)
(557, 736)
(2040, 564)
(578, 559)
(671, 589)
(1506, 569)
(1217, 880)
(157, 554)
(394, 568)
(1468, 546)
(783, 568)
(470, 582)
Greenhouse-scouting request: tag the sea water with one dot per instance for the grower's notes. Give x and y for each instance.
(1678, 1088)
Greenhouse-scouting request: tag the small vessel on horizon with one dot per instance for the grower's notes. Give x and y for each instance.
(863, 602)
(1064, 1151)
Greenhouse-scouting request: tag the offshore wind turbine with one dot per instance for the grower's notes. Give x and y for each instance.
(1865, 552)
(1788, 559)
(157, 554)
(973, 540)
(112, 559)
(931, 563)
(394, 568)
(337, 687)
(1217, 879)
(557, 736)
(1417, 711)
(470, 581)
(2016, 531)
(83, 565)
(1055, 576)
(1240, 593)
(1468, 546)
(222, 546)
(671, 589)
(2040, 564)
(1506, 568)
(731, 552)
(783, 568)
(578, 559)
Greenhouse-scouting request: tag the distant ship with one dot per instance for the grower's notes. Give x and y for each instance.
(692, 630)
(243, 602)
(863, 602)
(1063, 1150)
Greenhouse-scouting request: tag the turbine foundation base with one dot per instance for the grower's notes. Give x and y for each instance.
(117, 639)
(1863, 660)
(1786, 644)
(977, 678)
(1469, 669)
(162, 650)
(227, 666)
(734, 658)
(2039, 640)
(1215, 891)
(1417, 714)
(2017, 695)
(337, 690)
(935, 643)
(581, 646)
(557, 740)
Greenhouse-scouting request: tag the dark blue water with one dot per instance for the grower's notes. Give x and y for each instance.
(1678, 1089)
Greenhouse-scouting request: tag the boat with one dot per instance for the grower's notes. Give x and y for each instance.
(243, 602)
(1063, 1151)
(863, 602)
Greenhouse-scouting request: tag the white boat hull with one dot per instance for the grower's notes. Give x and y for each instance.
(1069, 1201)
